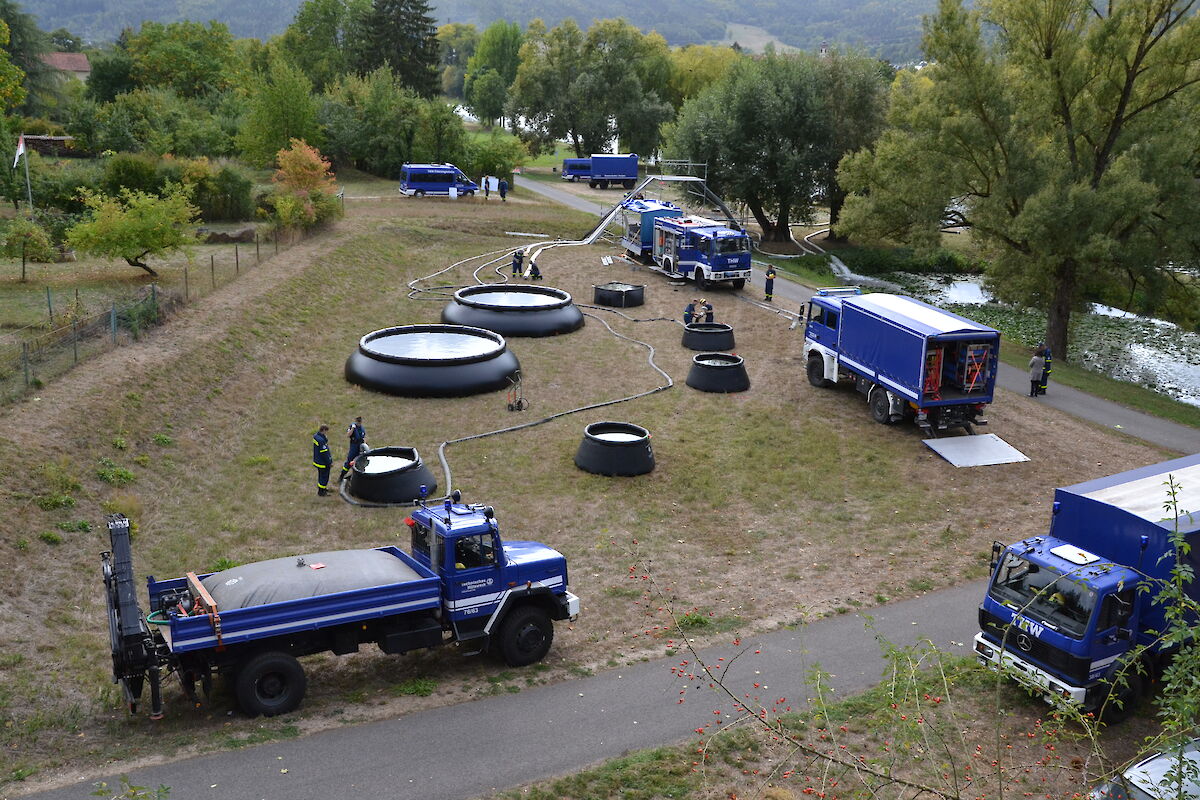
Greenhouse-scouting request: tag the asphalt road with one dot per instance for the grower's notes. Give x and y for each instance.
(500, 742)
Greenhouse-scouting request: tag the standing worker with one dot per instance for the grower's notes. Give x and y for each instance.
(518, 260)
(707, 308)
(769, 284)
(503, 190)
(689, 312)
(358, 441)
(322, 460)
(486, 180)
(1045, 369)
(1036, 365)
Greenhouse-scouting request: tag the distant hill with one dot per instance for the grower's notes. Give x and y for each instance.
(890, 29)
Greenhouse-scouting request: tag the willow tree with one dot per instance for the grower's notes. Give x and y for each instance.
(1065, 144)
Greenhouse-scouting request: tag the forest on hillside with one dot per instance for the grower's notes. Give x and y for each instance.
(890, 29)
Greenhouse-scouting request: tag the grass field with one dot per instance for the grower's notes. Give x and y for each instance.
(201, 432)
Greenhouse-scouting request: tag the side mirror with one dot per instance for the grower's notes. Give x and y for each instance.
(1124, 634)
(997, 548)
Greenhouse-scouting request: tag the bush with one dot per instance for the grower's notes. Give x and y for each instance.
(25, 236)
(109, 472)
(58, 187)
(128, 170)
(225, 196)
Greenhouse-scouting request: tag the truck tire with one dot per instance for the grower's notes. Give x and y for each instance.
(603, 184)
(628, 184)
(418, 193)
(591, 184)
(816, 372)
(739, 284)
(525, 636)
(701, 282)
(881, 410)
(270, 684)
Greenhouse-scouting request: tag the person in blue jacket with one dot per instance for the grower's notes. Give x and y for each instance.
(322, 460)
(504, 190)
(769, 285)
(689, 312)
(1046, 368)
(358, 440)
(518, 262)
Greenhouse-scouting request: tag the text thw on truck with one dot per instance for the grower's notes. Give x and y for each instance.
(461, 585)
(910, 359)
(1077, 615)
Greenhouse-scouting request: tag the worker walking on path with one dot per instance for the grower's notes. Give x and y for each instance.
(689, 312)
(1045, 369)
(518, 260)
(769, 284)
(358, 442)
(504, 190)
(1036, 365)
(322, 460)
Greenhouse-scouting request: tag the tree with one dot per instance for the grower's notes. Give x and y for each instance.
(64, 41)
(372, 122)
(282, 108)
(695, 67)
(305, 193)
(760, 129)
(486, 95)
(400, 34)
(440, 136)
(317, 40)
(25, 47)
(551, 92)
(495, 63)
(12, 93)
(456, 43)
(1065, 146)
(191, 58)
(111, 75)
(135, 225)
(855, 88)
(636, 68)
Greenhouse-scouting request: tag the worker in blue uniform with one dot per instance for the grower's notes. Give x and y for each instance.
(769, 284)
(535, 273)
(689, 312)
(1046, 368)
(518, 261)
(706, 311)
(322, 459)
(358, 440)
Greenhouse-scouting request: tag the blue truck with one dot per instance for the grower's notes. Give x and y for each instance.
(910, 359)
(702, 250)
(418, 180)
(637, 218)
(461, 584)
(602, 169)
(1076, 615)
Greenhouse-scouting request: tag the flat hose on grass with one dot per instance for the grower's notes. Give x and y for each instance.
(650, 360)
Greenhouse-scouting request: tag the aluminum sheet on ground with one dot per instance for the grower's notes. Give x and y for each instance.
(976, 451)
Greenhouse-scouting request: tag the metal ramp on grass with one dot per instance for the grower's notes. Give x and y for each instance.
(982, 450)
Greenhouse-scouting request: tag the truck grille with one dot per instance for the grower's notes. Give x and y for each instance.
(1072, 668)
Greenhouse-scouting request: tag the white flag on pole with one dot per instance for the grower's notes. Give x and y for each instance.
(20, 150)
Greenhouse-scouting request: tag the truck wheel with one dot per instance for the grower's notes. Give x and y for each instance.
(603, 184)
(816, 372)
(591, 184)
(701, 282)
(739, 284)
(1122, 700)
(881, 410)
(418, 193)
(628, 184)
(525, 636)
(270, 684)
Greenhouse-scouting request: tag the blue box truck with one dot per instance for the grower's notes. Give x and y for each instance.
(910, 359)
(418, 180)
(462, 584)
(1077, 614)
(602, 169)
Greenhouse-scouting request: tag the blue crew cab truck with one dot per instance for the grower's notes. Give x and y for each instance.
(418, 180)
(1068, 612)
(603, 169)
(637, 224)
(461, 584)
(911, 360)
(702, 250)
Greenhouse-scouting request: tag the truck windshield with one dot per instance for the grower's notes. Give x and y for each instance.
(731, 245)
(1063, 602)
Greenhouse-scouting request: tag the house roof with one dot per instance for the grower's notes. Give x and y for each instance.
(67, 62)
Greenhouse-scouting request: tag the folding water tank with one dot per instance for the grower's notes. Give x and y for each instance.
(432, 361)
(615, 448)
(710, 337)
(619, 295)
(390, 475)
(514, 310)
(718, 372)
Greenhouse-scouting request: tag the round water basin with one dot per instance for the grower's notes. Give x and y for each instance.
(432, 361)
(514, 310)
(619, 295)
(708, 336)
(718, 372)
(390, 476)
(615, 448)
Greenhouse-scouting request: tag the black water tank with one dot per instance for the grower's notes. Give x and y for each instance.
(432, 361)
(718, 372)
(615, 448)
(390, 475)
(514, 310)
(711, 337)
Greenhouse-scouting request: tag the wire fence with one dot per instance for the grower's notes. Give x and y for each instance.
(33, 356)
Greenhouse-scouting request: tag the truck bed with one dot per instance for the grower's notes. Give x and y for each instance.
(404, 586)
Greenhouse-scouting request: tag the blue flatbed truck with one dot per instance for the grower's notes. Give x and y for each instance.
(602, 169)
(460, 585)
(1076, 615)
(702, 250)
(911, 360)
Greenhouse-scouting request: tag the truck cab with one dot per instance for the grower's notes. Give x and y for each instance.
(487, 582)
(824, 313)
(574, 169)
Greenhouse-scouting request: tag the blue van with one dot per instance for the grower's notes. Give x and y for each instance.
(417, 180)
